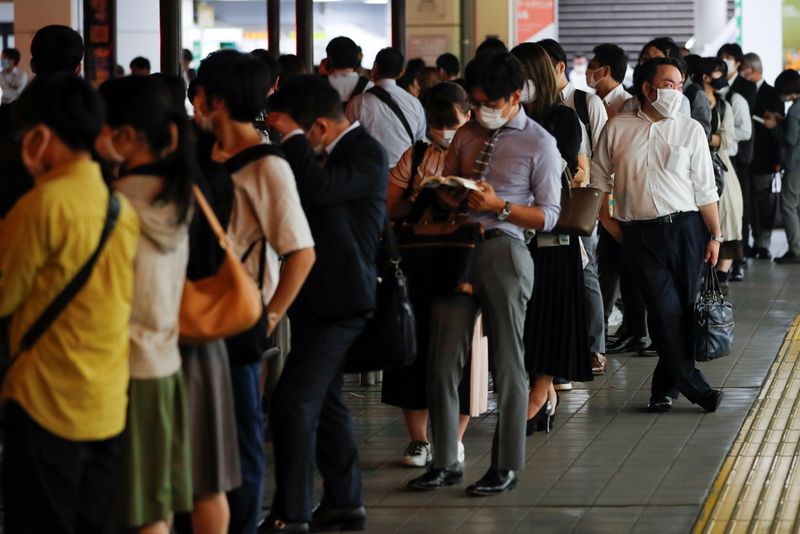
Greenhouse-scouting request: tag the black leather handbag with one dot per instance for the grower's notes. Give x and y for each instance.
(713, 321)
(389, 339)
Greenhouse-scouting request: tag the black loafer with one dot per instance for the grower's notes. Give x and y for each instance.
(659, 404)
(330, 519)
(278, 526)
(649, 351)
(437, 478)
(761, 253)
(712, 400)
(737, 271)
(493, 482)
(627, 344)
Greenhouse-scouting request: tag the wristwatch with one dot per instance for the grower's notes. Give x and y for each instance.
(719, 238)
(503, 215)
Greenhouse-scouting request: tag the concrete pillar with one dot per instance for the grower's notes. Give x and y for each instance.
(30, 15)
(710, 19)
(762, 33)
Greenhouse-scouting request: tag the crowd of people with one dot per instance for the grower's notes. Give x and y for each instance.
(114, 420)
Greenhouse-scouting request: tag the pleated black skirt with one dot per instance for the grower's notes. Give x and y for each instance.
(556, 339)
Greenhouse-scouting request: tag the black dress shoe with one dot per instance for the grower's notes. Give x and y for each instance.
(737, 271)
(278, 526)
(659, 404)
(712, 400)
(649, 351)
(330, 519)
(437, 478)
(788, 258)
(493, 482)
(627, 344)
(761, 253)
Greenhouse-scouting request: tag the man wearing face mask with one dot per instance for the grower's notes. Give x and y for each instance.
(519, 166)
(12, 80)
(341, 177)
(657, 163)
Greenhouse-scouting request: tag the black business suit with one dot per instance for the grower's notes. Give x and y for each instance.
(766, 160)
(345, 204)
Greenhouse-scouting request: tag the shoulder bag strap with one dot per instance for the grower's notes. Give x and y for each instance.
(417, 155)
(249, 155)
(360, 86)
(54, 309)
(387, 99)
(582, 109)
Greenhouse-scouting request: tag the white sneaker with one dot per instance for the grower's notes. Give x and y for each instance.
(418, 454)
(461, 453)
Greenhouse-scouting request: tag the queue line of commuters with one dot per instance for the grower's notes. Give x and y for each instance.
(146, 426)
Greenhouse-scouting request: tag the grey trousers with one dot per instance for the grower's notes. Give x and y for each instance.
(595, 311)
(790, 206)
(503, 282)
(762, 210)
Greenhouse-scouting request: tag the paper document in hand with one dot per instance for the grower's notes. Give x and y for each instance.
(450, 181)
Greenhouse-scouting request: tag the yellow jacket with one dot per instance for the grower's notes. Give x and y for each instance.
(74, 381)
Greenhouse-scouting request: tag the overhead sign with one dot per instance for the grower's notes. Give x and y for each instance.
(536, 19)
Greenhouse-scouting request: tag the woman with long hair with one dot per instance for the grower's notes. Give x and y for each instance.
(555, 325)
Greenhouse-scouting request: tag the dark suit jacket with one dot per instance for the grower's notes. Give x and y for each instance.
(766, 150)
(345, 204)
(748, 91)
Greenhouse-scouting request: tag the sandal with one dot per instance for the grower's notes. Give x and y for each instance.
(599, 363)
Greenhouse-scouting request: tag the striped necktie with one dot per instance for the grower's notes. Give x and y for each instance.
(481, 165)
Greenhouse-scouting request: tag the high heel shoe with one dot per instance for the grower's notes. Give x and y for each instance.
(551, 419)
(540, 421)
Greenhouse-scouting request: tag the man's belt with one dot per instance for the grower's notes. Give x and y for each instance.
(658, 221)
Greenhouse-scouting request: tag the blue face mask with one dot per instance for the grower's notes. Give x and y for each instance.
(4, 64)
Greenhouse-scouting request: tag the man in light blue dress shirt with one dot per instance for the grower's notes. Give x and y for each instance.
(521, 190)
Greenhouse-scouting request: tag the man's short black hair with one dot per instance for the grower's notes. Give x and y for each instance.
(343, 53)
(449, 64)
(491, 46)
(389, 63)
(12, 54)
(65, 103)
(788, 83)
(305, 98)
(646, 71)
(291, 65)
(498, 75)
(187, 55)
(666, 45)
(56, 48)
(270, 61)
(733, 50)
(140, 63)
(554, 50)
(239, 80)
(615, 58)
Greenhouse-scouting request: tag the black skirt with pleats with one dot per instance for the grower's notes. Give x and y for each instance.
(556, 338)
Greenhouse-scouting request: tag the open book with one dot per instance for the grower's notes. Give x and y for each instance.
(450, 181)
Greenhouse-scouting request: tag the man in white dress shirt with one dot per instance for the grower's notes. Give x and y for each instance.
(605, 75)
(395, 129)
(658, 165)
(343, 60)
(12, 80)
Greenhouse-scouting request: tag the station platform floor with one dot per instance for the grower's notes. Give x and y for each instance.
(608, 466)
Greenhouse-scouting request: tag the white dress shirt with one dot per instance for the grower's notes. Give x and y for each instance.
(381, 122)
(742, 122)
(654, 168)
(615, 100)
(596, 109)
(345, 83)
(12, 83)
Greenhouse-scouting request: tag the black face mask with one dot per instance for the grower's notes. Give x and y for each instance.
(719, 83)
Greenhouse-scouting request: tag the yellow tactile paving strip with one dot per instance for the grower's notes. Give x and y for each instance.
(758, 487)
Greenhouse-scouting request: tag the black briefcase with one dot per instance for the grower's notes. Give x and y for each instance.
(389, 339)
(713, 321)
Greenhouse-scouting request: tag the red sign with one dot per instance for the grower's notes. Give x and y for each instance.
(532, 17)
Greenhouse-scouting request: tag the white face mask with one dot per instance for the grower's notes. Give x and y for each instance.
(731, 67)
(443, 137)
(580, 68)
(668, 102)
(490, 118)
(590, 79)
(528, 92)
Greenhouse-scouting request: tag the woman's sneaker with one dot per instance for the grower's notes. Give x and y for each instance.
(418, 454)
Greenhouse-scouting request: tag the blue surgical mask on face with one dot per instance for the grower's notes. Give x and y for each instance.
(4, 64)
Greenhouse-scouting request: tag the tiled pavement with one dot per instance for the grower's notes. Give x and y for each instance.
(607, 466)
